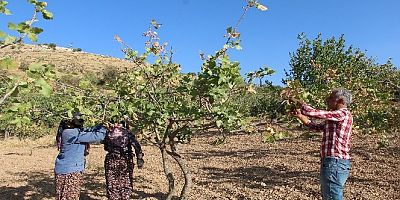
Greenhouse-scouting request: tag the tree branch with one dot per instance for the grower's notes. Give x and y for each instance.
(9, 93)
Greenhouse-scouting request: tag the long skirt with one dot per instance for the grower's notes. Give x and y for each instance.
(68, 186)
(119, 175)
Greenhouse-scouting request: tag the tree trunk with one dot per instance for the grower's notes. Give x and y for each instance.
(168, 173)
(186, 173)
(6, 134)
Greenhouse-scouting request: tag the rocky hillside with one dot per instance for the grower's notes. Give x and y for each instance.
(65, 59)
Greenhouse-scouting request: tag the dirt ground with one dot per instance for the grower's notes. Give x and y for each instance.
(242, 168)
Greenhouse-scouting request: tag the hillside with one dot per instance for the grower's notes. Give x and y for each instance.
(65, 59)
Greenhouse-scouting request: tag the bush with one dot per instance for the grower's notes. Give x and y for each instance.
(109, 75)
(51, 46)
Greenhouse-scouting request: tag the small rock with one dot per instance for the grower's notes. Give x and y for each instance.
(263, 184)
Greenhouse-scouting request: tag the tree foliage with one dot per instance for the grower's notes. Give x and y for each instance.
(26, 28)
(320, 65)
(23, 97)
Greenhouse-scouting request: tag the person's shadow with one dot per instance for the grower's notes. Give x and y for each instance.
(40, 185)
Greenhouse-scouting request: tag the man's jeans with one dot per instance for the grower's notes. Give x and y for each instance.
(334, 173)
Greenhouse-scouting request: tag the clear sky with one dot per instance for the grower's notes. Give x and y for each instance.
(191, 26)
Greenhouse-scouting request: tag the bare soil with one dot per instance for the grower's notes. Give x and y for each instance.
(242, 168)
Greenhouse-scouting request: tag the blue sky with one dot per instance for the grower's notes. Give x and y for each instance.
(191, 26)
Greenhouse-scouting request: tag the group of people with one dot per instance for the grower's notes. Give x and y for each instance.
(73, 141)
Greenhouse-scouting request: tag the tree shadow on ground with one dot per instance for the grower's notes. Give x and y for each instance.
(378, 155)
(261, 178)
(370, 181)
(139, 194)
(93, 186)
(253, 176)
(254, 153)
(249, 153)
(39, 186)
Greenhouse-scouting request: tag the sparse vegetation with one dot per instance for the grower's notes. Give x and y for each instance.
(76, 50)
(51, 46)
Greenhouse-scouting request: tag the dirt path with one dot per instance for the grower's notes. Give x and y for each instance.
(242, 168)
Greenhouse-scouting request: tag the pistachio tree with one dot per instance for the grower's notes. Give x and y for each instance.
(170, 105)
(320, 65)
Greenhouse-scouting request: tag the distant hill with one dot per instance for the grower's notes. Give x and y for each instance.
(65, 59)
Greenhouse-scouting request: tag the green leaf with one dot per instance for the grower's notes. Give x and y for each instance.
(8, 63)
(9, 39)
(70, 112)
(41, 5)
(23, 84)
(3, 8)
(219, 123)
(25, 120)
(13, 26)
(36, 30)
(6, 12)
(15, 92)
(35, 67)
(33, 1)
(2, 34)
(24, 107)
(33, 37)
(86, 111)
(47, 15)
(155, 24)
(45, 89)
(238, 47)
(84, 84)
(261, 7)
(229, 30)
(15, 107)
(16, 122)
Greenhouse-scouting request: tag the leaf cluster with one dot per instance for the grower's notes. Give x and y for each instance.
(26, 28)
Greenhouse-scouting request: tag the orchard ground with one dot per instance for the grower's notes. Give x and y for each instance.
(242, 168)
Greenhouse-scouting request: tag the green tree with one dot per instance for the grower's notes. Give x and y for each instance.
(318, 66)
